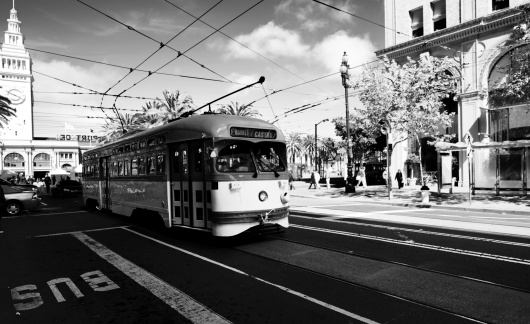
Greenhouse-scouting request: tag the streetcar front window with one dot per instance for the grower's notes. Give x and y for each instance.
(235, 157)
(269, 156)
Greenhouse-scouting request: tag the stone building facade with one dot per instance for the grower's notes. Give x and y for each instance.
(20, 150)
(474, 33)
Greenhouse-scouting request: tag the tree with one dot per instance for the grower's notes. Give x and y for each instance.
(294, 146)
(406, 100)
(308, 146)
(327, 150)
(173, 105)
(154, 113)
(238, 110)
(363, 136)
(6, 111)
(114, 129)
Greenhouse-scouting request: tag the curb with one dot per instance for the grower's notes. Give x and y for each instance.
(420, 205)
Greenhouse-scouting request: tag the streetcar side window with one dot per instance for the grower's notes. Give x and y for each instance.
(126, 167)
(95, 170)
(120, 168)
(151, 168)
(161, 164)
(184, 161)
(134, 167)
(114, 170)
(141, 166)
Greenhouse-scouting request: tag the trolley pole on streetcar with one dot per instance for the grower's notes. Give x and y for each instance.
(346, 83)
(317, 165)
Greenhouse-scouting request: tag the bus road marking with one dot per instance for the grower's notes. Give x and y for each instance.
(285, 289)
(71, 233)
(176, 299)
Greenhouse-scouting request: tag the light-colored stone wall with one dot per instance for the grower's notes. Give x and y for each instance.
(397, 15)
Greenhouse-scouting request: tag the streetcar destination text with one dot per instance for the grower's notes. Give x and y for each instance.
(252, 132)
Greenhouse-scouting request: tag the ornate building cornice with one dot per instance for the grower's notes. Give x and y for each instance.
(469, 28)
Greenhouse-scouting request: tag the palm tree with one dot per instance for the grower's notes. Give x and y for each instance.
(238, 110)
(6, 111)
(294, 146)
(114, 129)
(174, 105)
(308, 146)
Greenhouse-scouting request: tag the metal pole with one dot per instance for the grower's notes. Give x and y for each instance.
(316, 150)
(350, 187)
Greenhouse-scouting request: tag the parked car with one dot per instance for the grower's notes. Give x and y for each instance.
(18, 200)
(22, 187)
(64, 187)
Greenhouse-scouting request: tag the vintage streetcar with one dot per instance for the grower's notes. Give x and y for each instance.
(219, 173)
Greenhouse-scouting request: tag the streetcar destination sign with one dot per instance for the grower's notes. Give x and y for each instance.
(252, 132)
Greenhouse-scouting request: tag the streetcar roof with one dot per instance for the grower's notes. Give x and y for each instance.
(202, 126)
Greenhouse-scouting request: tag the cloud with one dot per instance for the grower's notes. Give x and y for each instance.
(269, 40)
(329, 51)
(276, 42)
(312, 15)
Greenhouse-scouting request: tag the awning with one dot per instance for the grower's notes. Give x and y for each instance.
(59, 172)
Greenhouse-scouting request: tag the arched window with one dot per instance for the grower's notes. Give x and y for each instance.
(42, 160)
(66, 167)
(14, 160)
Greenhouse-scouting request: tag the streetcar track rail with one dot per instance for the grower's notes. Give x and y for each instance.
(355, 284)
(420, 231)
(351, 253)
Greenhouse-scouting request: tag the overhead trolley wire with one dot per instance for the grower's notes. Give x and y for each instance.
(156, 41)
(127, 68)
(162, 45)
(233, 39)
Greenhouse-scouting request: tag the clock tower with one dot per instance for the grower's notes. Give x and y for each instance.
(16, 81)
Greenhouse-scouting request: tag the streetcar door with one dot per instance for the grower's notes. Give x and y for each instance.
(197, 188)
(105, 179)
(179, 184)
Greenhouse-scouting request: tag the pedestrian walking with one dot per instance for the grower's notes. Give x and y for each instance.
(361, 176)
(312, 181)
(317, 180)
(53, 180)
(399, 178)
(291, 181)
(327, 175)
(385, 176)
(47, 182)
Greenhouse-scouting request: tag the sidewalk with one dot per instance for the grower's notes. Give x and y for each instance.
(410, 196)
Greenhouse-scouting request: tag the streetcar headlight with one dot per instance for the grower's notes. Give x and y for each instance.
(285, 197)
(263, 196)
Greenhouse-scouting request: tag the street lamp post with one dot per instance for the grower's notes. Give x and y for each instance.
(316, 145)
(346, 83)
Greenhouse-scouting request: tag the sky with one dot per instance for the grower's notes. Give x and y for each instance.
(289, 42)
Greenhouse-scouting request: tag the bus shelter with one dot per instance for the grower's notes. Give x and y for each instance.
(499, 166)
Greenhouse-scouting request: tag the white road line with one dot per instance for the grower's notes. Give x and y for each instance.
(419, 245)
(402, 229)
(285, 289)
(38, 215)
(92, 230)
(176, 299)
(337, 205)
